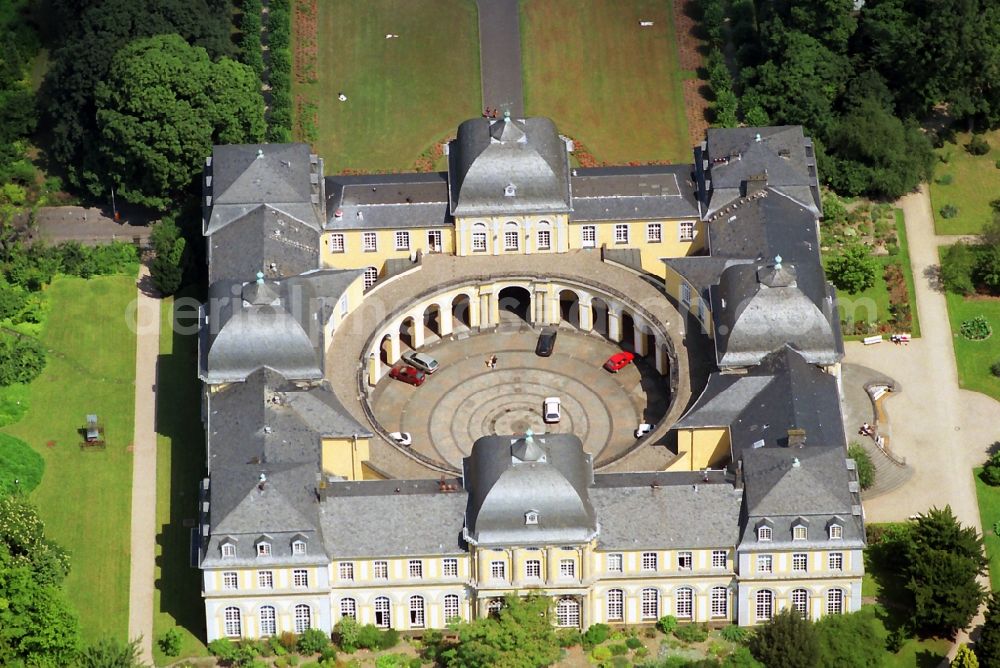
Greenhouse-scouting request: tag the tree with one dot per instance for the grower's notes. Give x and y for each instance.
(521, 636)
(866, 470)
(957, 265)
(964, 658)
(111, 653)
(988, 645)
(987, 269)
(945, 560)
(853, 270)
(161, 108)
(849, 641)
(20, 466)
(787, 640)
(167, 268)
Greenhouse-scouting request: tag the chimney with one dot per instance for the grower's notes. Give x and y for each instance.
(796, 438)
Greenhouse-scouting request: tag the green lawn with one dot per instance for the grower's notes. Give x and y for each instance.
(604, 80)
(975, 357)
(85, 497)
(180, 464)
(989, 517)
(974, 182)
(404, 95)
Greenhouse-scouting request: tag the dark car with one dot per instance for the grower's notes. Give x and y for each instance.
(619, 361)
(408, 374)
(546, 342)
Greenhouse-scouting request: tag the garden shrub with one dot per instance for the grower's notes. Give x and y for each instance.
(974, 329)
(995, 368)
(313, 641)
(415, 662)
(170, 641)
(600, 653)
(22, 359)
(949, 211)
(734, 633)
(945, 179)
(691, 633)
(633, 643)
(388, 639)
(369, 637)
(347, 631)
(997, 163)
(991, 470)
(596, 634)
(619, 662)
(18, 461)
(568, 637)
(618, 649)
(649, 632)
(957, 265)
(853, 270)
(223, 648)
(977, 145)
(667, 623)
(289, 640)
(392, 661)
(865, 467)
(641, 652)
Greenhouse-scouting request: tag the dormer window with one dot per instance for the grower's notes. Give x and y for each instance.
(228, 550)
(800, 532)
(298, 547)
(510, 190)
(263, 549)
(836, 532)
(764, 534)
(531, 517)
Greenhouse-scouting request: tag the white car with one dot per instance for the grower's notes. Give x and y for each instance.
(401, 437)
(421, 361)
(551, 410)
(643, 429)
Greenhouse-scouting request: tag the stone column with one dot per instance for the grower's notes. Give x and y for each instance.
(532, 308)
(497, 237)
(614, 324)
(662, 360)
(417, 339)
(394, 347)
(551, 564)
(463, 233)
(485, 310)
(586, 315)
(445, 323)
(527, 237)
(374, 369)
(639, 339)
(473, 312)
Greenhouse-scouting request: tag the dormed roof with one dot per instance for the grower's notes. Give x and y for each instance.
(508, 477)
(508, 166)
(265, 239)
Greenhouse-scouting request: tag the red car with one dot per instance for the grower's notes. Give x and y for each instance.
(618, 361)
(408, 374)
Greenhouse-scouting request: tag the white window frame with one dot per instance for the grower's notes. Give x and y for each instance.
(800, 601)
(568, 613)
(452, 607)
(494, 606)
(265, 579)
(349, 608)
(402, 238)
(345, 571)
(836, 532)
(567, 568)
(343, 314)
(228, 550)
(380, 570)
(764, 534)
(268, 617)
(685, 231)
(719, 558)
(719, 607)
(621, 233)
(303, 618)
(685, 561)
(835, 602)
(300, 578)
(371, 276)
(533, 569)
(835, 561)
(415, 568)
(434, 241)
(233, 622)
(337, 243)
(654, 233)
(800, 562)
(230, 580)
(498, 570)
(684, 603)
(588, 236)
(383, 612)
(800, 532)
(510, 236)
(616, 562)
(765, 563)
(417, 610)
(263, 549)
(616, 605)
(650, 561)
(649, 607)
(369, 242)
(685, 294)
(449, 567)
(479, 240)
(764, 605)
(544, 239)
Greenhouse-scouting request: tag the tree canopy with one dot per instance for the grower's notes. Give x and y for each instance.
(161, 108)
(787, 640)
(520, 636)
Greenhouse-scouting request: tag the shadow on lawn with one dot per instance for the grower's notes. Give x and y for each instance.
(179, 418)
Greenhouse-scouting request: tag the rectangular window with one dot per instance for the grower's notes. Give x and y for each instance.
(654, 233)
(450, 568)
(765, 563)
(380, 570)
(349, 608)
(434, 241)
(498, 570)
(800, 533)
(416, 568)
(763, 533)
(800, 562)
(621, 233)
(615, 563)
(300, 577)
(370, 242)
(836, 561)
(337, 243)
(836, 532)
(533, 569)
(649, 561)
(718, 558)
(402, 241)
(686, 232)
(479, 242)
(650, 606)
(230, 580)
(265, 579)
(720, 602)
(451, 607)
(684, 602)
(263, 549)
(685, 561)
(510, 240)
(345, 570)
(544, 239)
(616, 605)
(567, 568)
(686, 302)
(228, 551)
(588, 236)
(343, 313)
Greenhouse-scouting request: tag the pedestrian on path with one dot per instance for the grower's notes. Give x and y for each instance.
(493, 362)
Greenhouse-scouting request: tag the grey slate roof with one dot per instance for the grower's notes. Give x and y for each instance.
(701, 271)
(634, 193)
(759, 407)
(283, 333)
(487, 156)
(665, 511)
(508, 476)
(781, 153)
(387, 201)
(265, 239)
(373, 519)
(783, 484)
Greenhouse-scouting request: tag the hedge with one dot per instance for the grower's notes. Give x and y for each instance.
(18, 462)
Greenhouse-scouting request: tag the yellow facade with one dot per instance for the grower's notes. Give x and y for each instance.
(702, 448)
(357, 254)
(345, 457)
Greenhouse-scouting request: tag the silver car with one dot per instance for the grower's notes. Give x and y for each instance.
(422, 361)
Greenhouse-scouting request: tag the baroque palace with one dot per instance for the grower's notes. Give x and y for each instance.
(744, 504)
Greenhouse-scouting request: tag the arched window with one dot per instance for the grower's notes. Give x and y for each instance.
(416, 612)
(684, 602)
(268, 621)
(383, 620)
(494, 606)
(650, 603)
(800, 602)
(371, 276)
(765, 605)
(616, 605)
(303, 618)
(451, 609)
(835, 602)
(720, 603)
(234, 622)
(349, 608)
(568, 613)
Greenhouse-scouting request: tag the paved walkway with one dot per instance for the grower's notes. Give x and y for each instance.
(500, 55)
(141, 582)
